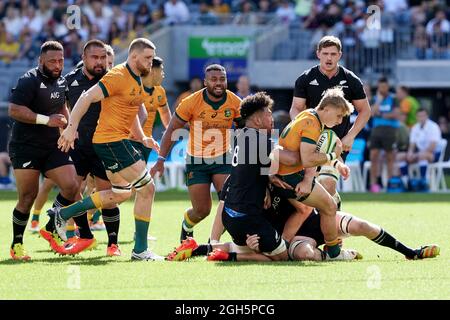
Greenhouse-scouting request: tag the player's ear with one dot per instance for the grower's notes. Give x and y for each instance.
(318, 54)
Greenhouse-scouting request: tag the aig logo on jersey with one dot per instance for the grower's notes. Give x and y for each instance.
(54, 95)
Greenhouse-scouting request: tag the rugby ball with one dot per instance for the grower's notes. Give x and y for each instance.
(327, 141)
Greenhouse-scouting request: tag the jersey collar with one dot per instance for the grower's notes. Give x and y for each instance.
(137, 78)
(337, 71)
(149, 90)
(214, 105)
(314, 113)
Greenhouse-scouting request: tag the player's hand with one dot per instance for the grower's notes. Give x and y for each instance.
(338, 148)
(253, 242)
(347, 143)
(149, 142)
(267, 200)
(303, 188)
(279, 183)
(343, 170)
(57, 121)
(158, 168)
(67, 139)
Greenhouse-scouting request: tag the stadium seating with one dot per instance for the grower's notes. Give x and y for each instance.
(355, 158)
(435, 171)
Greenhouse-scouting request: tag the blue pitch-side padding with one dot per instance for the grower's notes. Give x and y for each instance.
(357, 152)
(153, 155)
(178, 152)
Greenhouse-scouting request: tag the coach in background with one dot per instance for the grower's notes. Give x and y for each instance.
(310, 87)
(37, 105)
(385, 127)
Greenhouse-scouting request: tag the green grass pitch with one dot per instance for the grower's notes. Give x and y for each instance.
(414, 219)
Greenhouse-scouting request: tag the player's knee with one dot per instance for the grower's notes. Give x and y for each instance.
(150, 188)
(26, 200)
(121, 197)
(329, 207)
(120, 194)
(144, 184)
(306, 252)
(301, 250)
(361, 227)
(71, 190)
(201, 210)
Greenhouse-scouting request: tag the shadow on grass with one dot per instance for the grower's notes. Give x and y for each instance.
(91, 261)
(271, 263)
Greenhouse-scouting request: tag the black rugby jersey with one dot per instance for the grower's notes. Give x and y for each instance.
(77, 83)
(42, 95)
(312, 84)
(249, 173)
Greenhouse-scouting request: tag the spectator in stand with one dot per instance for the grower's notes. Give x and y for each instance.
(285, 12)
(440, 20)
(34, 22)
(59, 10)
(101, 16)
(73, 46)
(439, 42)
(205, 16)
(176, 12)
(45, 11)
(29, 49)
(142, 15)
(420, 41)
(247, 15)
(13, 22)
(9, 49)
(408, 105)
(220, 8)
(119, 17)
(264, 14)
(303, 8)
(194, 85)
(114, 34)
(243, 87)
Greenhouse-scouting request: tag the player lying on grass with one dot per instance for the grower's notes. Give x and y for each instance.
(304, 234)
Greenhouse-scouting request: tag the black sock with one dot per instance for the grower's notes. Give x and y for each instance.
(20, 221)
(232, 256)
(60, 201)
(386, 240)
(202, 250)
(111, 218)
(83, 226)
